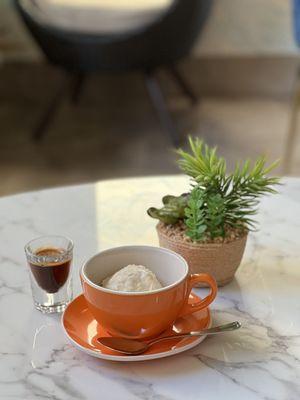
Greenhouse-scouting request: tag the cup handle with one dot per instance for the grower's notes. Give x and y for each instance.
(197, 278)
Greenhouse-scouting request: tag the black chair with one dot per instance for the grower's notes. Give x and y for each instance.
(159, 44)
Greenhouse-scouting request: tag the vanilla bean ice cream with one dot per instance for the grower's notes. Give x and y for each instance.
(133, 278)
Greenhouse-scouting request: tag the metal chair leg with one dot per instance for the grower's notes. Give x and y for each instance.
(77, 87)
(181, 82)
(160, 105)
(292, 130)
(52, 107)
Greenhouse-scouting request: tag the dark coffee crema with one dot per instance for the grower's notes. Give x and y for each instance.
(50, 276)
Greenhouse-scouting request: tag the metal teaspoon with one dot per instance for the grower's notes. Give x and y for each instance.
(135, 347)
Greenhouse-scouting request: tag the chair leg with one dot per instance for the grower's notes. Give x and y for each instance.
(160, 105)
(77, 87)
(182, 83)
(292, 130)
(52, 107)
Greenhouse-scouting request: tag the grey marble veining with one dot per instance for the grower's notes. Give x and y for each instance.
(259, 362)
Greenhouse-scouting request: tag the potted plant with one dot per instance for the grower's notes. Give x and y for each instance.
(209, 225)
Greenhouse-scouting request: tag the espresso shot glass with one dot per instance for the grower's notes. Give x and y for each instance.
(50, 261)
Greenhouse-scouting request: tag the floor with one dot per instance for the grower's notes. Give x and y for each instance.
(114, 132)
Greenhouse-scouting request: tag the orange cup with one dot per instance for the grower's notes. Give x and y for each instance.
(142, 314)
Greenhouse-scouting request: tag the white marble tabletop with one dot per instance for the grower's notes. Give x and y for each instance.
(261, 361)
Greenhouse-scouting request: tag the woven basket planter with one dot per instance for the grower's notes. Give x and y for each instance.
(221, 260)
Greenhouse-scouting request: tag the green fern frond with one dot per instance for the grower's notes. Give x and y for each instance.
(194, 215)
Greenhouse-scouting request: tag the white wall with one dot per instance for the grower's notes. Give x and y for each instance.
(236, 27)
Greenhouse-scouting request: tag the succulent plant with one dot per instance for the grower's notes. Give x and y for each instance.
(173, 209)
(218, 199)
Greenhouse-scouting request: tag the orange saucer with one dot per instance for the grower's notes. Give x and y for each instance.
(82, 330)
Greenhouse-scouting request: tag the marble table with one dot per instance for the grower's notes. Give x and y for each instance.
(259, 362)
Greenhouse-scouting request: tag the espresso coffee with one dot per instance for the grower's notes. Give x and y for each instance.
(50, 276)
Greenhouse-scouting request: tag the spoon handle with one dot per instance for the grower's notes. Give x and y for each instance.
(232, 326)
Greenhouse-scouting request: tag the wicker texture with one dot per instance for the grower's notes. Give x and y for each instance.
(221, 260)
